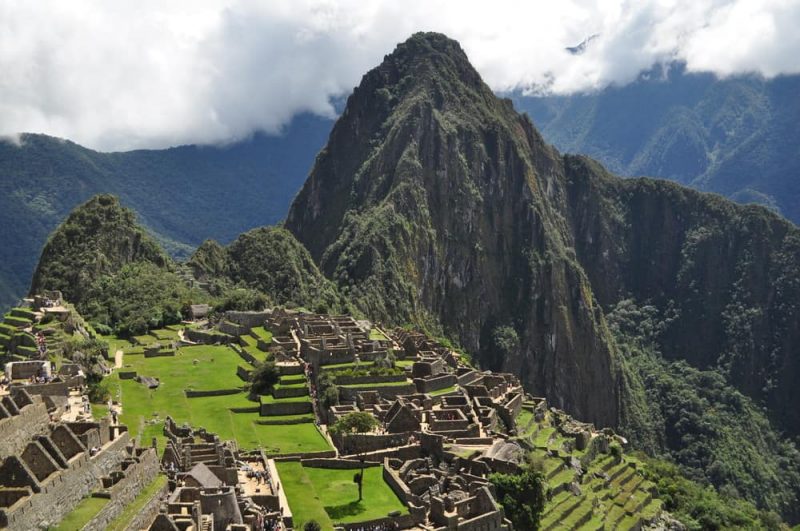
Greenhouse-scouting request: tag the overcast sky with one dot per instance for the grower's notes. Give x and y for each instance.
(122, 74)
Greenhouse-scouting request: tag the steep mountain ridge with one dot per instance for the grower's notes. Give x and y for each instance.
(435, 202)
(736, 136)
(435, 197)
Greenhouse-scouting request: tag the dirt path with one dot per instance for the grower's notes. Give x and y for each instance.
(118, 356)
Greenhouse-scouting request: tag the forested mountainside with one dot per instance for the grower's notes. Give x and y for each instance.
(736, 136)
(436, 202)
(182, 195)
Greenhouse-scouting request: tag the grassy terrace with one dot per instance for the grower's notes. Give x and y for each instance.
(121, 522)
(623, 501)
(444, 391)
(261, 333)
(329, 496)
(81, 514)
(144, 410)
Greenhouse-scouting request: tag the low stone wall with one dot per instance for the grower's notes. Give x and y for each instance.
(243, 373)
(289, 370)
(127, 375)
(159, 353)
(247, 319)
(395, 483)
(338, 464)
(289, 392)
(278, 421)
(430, 385)
(206, 337)
(148, 513)
(356, 442)
(246, 356)
(388, 392)
(401, 522)
(192, 393)
(232, 329)
(369, 379)
(285, 408)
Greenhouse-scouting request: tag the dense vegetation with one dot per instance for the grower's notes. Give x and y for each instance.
(701, 507)
(522, 496)
(737, 136)
(182, 195)
(137, 298)
(269, 261)
(697, 419)
(98, 238)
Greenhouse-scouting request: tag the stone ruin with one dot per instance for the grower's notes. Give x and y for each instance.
(48, 466)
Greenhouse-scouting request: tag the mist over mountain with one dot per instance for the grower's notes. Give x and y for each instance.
(182, 195)
(735, 136)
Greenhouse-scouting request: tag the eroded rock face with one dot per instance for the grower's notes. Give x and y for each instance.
(434, 198)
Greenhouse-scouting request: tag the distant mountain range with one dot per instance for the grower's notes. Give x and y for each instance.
(669, 314)
(737, 137)
(182, 195)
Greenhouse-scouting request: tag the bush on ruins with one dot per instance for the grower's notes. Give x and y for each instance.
(522, 496)
(264, 378)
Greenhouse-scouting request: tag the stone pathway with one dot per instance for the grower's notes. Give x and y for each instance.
(118, 357)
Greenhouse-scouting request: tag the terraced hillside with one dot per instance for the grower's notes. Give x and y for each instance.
(587, 489)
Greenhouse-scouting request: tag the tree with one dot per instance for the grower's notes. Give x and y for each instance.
(264, 378)
(358, 422)
(312, 525)
(522, 496)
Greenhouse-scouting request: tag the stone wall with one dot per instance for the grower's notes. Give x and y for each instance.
(289, 392)
(247, 319)
(369, 379)
(61, 491)
(429, 385)
(338, 464)
(206, 337)
(147, 514)
(17, 431)
(285, 408)
(137, 477)
(233, 329)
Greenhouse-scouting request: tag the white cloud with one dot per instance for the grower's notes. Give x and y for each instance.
(123, 74)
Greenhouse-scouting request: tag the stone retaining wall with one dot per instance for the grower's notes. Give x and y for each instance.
(285, 408)
(18, 430)
(289, 392)
(137, 477)
(369, 379)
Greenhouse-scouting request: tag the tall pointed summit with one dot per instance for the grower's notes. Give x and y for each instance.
(435, 198)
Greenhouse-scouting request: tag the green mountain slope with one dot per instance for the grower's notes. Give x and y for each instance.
(271, 261)
(434, 201)
(736, 136)
(182, 195)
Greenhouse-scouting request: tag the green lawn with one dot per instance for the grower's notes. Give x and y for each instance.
(330, 496)
(262, 333)
(144, 409)
(376, 335)
(444, 391)
(81, 514)
(120, 522)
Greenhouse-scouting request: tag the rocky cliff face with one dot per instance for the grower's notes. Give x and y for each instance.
(435, 200)
(727, 276)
